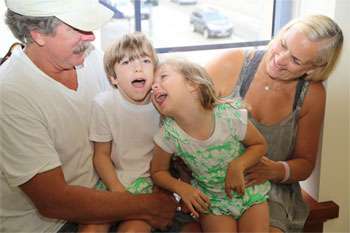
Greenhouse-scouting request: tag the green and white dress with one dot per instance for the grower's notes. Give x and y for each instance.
(208, 159)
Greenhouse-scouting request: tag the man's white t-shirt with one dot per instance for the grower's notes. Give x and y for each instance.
(131, 128)
(43, 125)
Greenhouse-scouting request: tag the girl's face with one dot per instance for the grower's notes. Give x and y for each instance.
(291, 56)
(134, 78)
(171, 91)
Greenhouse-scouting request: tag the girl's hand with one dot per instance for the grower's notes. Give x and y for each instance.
(263, 171)
(183, 207)
(234, 180)
(195, 200)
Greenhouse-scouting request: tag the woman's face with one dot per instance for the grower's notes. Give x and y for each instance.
(291, 55)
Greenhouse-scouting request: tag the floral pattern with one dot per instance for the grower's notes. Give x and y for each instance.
(209, 164)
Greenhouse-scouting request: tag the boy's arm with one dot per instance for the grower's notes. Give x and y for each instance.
(194, 199)
(105, 167)
(255, 147)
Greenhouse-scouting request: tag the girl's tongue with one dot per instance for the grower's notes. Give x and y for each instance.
(161, 98)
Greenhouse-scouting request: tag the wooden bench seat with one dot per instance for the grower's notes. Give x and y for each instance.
(320, 212)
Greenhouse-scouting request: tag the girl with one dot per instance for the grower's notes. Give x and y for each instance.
(216, 142)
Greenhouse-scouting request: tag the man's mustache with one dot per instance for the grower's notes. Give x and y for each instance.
(81, 48)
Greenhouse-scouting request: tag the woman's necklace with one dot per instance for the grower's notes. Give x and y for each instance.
(267, 87)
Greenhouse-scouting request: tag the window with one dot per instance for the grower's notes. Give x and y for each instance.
(189, 26)
(192, 25)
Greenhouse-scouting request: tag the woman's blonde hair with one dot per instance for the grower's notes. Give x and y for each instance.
(320, 28)
(132, 45)
(195, 74)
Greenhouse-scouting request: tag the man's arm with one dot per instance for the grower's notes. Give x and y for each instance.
(56, 199)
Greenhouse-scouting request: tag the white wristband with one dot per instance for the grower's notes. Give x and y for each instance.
(286, 171)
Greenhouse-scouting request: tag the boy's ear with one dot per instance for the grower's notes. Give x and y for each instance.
(114, 80)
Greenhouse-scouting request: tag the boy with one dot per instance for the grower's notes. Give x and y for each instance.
(124, 122)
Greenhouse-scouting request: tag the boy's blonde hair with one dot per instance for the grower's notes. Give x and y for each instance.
(196, 74)
(132, 45)
(320, 28)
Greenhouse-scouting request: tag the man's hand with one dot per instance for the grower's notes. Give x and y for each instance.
(161, 206)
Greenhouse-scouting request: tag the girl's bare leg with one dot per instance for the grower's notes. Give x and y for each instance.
(94, 228)
(218, 223)
(258, 215)
(134, 226)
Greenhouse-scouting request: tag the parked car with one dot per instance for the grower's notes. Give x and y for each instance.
(146, 9)
(153, 2)
(121, 8)
(211, 22)
(185, 2)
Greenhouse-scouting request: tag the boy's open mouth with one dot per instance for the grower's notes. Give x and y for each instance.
(138, 83)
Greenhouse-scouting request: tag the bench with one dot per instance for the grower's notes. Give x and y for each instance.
(320, 212)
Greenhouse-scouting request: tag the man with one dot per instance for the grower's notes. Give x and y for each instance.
(47, 176)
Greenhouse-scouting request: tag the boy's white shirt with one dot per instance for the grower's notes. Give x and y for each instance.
(131, 128)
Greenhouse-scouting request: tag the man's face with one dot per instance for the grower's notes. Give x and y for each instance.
(66, 48)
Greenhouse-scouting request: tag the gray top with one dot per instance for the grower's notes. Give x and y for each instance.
(287, 208)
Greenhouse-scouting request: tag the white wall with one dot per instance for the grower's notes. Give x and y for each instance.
(6, 37)
(334, 182)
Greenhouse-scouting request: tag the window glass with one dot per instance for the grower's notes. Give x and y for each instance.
(180, 23)
(174, 23)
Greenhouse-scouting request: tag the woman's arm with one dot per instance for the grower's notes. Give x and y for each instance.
(308, 134)
(256, 147)
(224, 71)
(105, 167)
(304, 156)
(194, 199)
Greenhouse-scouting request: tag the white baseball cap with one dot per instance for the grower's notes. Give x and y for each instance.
(85, 15)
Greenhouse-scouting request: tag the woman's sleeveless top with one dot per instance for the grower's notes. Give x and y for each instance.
(287, 208)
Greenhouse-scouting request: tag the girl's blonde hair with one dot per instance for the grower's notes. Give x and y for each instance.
(132, 45)
(195, 74)
(320, 28)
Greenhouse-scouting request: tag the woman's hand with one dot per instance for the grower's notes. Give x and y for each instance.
(234, 180)
(263, 171)
(195, 200)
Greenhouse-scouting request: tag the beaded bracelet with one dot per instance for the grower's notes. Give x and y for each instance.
(286, 171)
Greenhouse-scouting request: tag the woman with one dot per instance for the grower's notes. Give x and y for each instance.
(283, 87)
